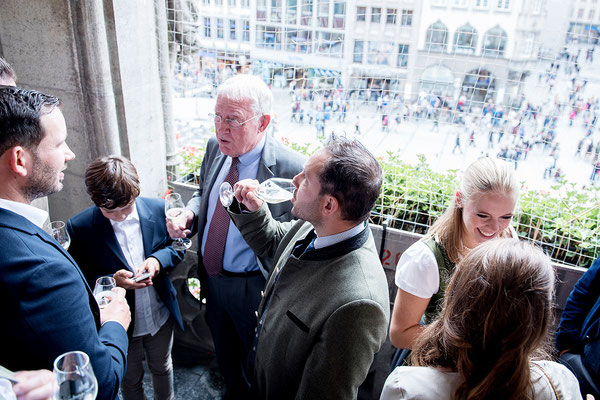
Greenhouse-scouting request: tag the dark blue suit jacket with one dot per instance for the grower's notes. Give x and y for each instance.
(95, 248)
(579, 328)
(48, 309)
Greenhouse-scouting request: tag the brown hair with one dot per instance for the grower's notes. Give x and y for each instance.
(496, 315)
(112, 182)
(485, 175)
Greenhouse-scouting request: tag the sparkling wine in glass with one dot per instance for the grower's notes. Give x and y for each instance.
(273, 190)
(75, 379)
(103, 290)
(175, 212)
(58, 230)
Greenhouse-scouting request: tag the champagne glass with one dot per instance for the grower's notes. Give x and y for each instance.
(175, 212)
(273, 190)
(75, 379)
(103, 290)
(58, 230)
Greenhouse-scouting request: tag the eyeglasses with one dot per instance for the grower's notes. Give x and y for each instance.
(232, 123)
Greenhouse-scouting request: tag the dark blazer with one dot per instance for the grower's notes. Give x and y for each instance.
(48, 309)
(276, 160)
(95, 248)
(579, 328)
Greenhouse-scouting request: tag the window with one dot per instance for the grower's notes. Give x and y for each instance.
(220, 28)
(206, 2)
(292, 11)
(391, 16)
(407, 16)
(232, 29)
(268, 36)
(361, 14)
(206, 27)
(307, 12)
(330, 44)
(246, 32)
(380, 53)
(580, 13)
(459, 3)
(529, 44)
(481, 3)
(245, 3)
(436, 38)
(465, 40)
(503, 4)
(376, 14)
(494, 42)
(276, 10)
(323, 13)
(537, 6)
(298, 41)
(219, 2)
(402, 55)
(591, 14)
(339, 14)
(358, 51)
(231, 3)
(261, 10)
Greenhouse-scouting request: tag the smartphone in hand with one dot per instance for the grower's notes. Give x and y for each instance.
(142, 277)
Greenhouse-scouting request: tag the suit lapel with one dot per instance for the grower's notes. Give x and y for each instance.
(146, 223)
(106, 233)
(268, 159)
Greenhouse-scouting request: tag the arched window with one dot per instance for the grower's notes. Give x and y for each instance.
(437, 80)
(465, 40)
(494, 42)
(437, 37)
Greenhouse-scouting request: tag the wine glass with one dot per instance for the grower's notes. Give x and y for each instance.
(75, 379)
(103, 290)
(273, 190)
(58, 230)
(175, 212)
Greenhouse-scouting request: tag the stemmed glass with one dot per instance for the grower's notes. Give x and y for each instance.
(175, 212)
(273, 190)
(58, 230)
(75, 379)
(103, 290)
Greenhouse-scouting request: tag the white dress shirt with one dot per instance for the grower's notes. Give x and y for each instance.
(150, 312)
(35, 215)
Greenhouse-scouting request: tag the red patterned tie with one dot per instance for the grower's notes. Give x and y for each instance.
(217, 231)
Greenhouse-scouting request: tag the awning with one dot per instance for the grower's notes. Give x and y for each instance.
(325, 72)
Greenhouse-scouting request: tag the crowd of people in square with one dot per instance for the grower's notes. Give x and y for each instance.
(297, 301)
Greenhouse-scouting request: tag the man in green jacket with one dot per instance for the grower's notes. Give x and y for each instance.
(325, 308)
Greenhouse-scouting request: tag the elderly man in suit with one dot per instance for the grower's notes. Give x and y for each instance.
(325, 309)
(124, 236)
(230, 275)
(46, 305)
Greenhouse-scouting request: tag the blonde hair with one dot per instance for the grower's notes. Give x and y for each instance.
(486, 175)
(496, 318)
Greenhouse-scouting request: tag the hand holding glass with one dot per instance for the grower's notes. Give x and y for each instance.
(274, 190)
(75, 377)
(175, 212)
(58, 230)
(103, 290)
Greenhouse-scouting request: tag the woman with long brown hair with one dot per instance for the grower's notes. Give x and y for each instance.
(495, 321)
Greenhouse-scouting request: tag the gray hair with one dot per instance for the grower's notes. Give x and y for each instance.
(248, 87)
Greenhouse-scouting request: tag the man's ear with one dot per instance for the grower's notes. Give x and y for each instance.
(329, 205)
(264, 122)
(20, 160)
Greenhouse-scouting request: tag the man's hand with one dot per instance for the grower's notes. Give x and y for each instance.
(181, 228)
(124, 279)
(151, 266)
(244, 194)
(117, 310)
(34, 385)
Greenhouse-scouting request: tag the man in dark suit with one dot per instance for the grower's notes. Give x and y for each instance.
(125, 236)
(231, 279)
(46, 305)
(578, 334)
